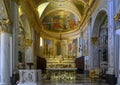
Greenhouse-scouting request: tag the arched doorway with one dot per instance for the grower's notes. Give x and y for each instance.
(100, 41)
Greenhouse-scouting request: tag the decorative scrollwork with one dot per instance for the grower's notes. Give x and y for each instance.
(4, 23)
(28, 42)
(117, 16)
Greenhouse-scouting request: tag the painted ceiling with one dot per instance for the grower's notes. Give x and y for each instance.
(60, 21)
(61, 15)
(56, 16)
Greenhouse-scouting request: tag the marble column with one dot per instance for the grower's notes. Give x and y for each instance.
(5, 59)
(110, 74)
(0, 57)
(111, 37)
(118, 79)
(118, 56)
(90, 50)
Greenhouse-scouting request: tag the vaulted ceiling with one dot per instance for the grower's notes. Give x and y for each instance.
(56, 16)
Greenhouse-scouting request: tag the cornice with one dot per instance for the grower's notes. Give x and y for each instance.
(89, 13)
(57, 35)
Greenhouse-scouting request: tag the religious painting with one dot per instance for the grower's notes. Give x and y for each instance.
(58, 48)
(75, 47)
(72, 48)
(61, 48)
(60, 21)
(48, 47)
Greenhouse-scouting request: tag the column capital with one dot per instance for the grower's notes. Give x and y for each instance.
(117, 16)
(4, 26)
(28, 42)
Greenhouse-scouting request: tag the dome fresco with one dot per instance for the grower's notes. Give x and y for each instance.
(60, 20)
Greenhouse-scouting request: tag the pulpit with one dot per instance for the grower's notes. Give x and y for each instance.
(30, 77)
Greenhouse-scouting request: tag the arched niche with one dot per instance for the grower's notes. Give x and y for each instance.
(25, 36)
(100, 40)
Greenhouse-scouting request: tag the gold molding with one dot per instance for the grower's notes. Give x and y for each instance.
(117, 16)
(28, 42)
(117, 20)
(4, 26)
(5, 31)
(94, 40)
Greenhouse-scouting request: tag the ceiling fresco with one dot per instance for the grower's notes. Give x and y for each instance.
(60, 21)
(64, 17)
(37, 2)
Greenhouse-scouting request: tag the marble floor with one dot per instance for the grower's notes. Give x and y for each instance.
(78, 84)
(79, 81)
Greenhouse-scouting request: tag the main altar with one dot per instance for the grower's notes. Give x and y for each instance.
(61, 74)
(60, 55)
(61, 69)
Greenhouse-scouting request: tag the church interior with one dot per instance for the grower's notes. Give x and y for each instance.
(59, 42)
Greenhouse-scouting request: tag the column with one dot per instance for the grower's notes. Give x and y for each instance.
(110, 74)
(90, 53)
(117, 51)
(118, 59)
(5, 55)
(15, 31)
(118, 80)
(0, 56)
(110, 37)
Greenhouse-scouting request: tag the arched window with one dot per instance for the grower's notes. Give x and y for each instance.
(41, 41)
